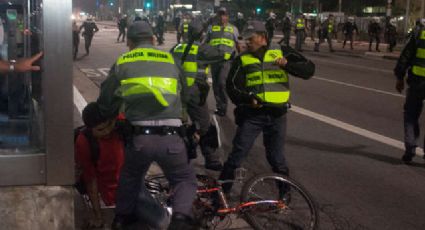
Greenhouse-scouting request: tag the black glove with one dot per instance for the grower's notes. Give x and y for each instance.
(204, 89)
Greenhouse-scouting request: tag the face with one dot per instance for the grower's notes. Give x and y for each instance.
(103, 129)
(255, 42)
(224, 18)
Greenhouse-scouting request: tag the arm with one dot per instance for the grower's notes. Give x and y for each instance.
(95, 27)
(83, 158)
(235, 85)
(297, 64)
(22, 65)
(110, 100)
(405, 58)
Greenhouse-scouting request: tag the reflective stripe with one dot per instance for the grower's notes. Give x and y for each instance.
(330, 27)
(216, 28)
(228, 29)
(249, 60)
(266, 77)
(185, 28)
(222, 41)
(300, 23)
(274, 97)
(422, 35)
(145, 54)
(155, 85)
(190, 81)
(180, 49)
(419, 71)
(190, 67)
(420, 53)
(227, 56)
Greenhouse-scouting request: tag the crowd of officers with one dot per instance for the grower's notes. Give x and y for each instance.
(160, 93)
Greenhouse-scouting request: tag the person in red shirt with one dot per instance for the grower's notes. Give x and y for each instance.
(100, 176)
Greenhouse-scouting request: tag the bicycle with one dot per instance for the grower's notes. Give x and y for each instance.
(267, 201)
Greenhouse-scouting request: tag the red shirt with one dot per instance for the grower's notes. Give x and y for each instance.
(111, 159)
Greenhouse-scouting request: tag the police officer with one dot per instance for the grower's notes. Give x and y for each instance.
(391, 34)
(240, 22)
(299, 31)
(348, 30)
(147, 84)
(224, 36)
(160, 27)
(122, 26)
(412, 61)
(195, 59)
(271, 26)
(184, 27)
(258, 86)
(90, 28)
(286, 29)
(326, 31)
(374, 31)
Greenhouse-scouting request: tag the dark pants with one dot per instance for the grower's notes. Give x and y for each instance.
(299, 39)
(348, 37)
(321, 40)
(219, 72)
(412, 111)
(87, 40)
(392, 42)
(170, 154)
(371, 38)
(160, 36)
(286, 37)
(200, 114)
(270, 34)
(250, 125)
(75, 43)
(122, 33)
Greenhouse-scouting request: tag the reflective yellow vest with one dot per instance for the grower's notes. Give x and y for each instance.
(149, 84)
(330, 27)
(223, 37)
(300, 24)
(266, 80)
(190, 65)
(418, 67)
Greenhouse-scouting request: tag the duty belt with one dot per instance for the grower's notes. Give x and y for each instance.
(156, 130)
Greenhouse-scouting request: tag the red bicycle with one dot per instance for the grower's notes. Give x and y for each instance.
(267, 201)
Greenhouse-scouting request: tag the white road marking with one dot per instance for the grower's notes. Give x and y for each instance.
(218, 130)
(79, 100)
(352, 65)
(358, 87)
(354, 129)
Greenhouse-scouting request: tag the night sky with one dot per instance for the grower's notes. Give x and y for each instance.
(85, 5)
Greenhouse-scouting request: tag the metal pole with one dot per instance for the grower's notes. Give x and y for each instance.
(389, 8)
(339, 5)
(422, 8)
(406, 24)
(301, 6)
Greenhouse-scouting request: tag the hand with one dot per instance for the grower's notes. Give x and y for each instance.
(281, 62)
(25, 64)
(399, 86)
(256, 104)
(197, 136)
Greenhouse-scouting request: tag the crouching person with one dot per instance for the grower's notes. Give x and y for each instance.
(99, 155)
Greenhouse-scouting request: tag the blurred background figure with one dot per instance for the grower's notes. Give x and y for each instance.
(348, 30)
(299, 31)
(122, 26)
(270, 26)
(391, 34)
(90, 28)
(286, 29)
(75, 39)
(374, 31)
(177, 21)
(160, 26)
(240, 22)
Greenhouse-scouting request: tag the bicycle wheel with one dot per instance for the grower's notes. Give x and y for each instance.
(278, 202)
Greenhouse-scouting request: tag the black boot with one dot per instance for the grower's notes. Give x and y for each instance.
(182, 222)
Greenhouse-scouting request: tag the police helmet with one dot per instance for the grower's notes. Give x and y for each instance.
(422, 21)
(195, 30)
(240, 15)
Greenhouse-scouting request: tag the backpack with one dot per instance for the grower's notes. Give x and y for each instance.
(94, 153)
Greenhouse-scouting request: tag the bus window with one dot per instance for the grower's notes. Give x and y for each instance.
(21, 103)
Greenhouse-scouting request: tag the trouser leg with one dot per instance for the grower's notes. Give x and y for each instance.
(370, 43)
(87, 40)
(377, 42)
(135, 166)
(245, 136)
(274, 138)
(219, 74)
(287, 37)
(412, 110)
(180, 174)
(351, 41)
(330, 43)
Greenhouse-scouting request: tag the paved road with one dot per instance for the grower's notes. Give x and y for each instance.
(343, 141)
